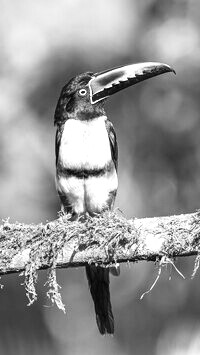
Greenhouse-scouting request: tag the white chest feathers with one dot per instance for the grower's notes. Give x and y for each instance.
(85, 144)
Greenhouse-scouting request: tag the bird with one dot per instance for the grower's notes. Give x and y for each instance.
(87, 158)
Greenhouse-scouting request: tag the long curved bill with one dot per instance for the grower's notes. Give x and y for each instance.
(109, 82)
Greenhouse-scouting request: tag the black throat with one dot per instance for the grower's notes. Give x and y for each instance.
(84, 111)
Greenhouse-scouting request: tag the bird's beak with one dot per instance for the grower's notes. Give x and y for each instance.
(109, 82)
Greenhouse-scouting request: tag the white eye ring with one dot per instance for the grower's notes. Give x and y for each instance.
(82, 92)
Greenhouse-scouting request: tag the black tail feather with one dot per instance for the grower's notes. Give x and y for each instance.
(98, 279)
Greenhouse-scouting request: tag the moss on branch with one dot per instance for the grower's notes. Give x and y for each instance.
(103, 239)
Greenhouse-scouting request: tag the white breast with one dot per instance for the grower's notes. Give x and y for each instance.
(85, 144)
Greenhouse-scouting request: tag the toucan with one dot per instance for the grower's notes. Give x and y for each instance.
(87, 158)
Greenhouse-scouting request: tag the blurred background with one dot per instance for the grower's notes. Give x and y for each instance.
(42, 45)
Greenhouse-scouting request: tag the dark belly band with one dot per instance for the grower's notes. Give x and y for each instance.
(84, 173)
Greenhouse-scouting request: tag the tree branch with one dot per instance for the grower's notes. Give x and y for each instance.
(104, 239)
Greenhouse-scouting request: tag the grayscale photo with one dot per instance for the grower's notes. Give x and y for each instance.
(99, 177)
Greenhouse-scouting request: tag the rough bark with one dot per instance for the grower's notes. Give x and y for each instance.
(104, 239)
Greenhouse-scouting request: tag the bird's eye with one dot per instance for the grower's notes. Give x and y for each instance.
(82, 92)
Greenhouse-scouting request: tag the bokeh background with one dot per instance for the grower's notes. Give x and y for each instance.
(42, 45)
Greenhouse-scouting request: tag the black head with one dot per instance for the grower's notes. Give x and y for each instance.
(83, 97)
(75, 102)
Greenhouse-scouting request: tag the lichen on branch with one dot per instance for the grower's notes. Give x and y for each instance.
(103, 239)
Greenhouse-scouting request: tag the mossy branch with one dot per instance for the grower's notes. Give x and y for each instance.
(104, 239)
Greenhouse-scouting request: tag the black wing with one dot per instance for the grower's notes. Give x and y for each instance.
(113, 142)
(58, 139)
